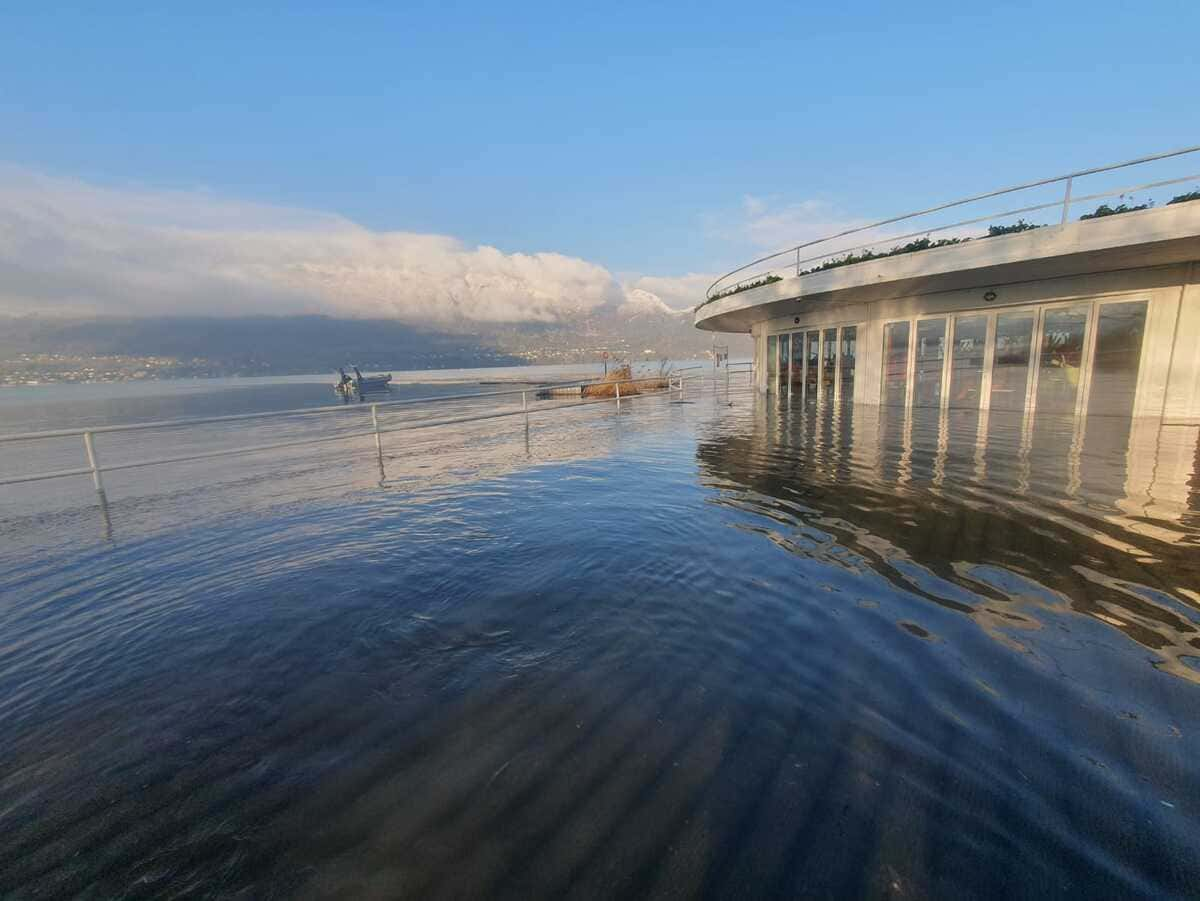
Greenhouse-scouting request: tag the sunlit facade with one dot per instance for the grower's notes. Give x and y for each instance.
(1086, 318)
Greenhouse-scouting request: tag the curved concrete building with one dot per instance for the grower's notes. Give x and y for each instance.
(1095, 316)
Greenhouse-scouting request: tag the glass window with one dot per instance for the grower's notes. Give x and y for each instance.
(784, 356)
(829, 364)
(814, 361)
(930, 362)
(1119, 330)
(772, 354)
(1010, 360)
(798, 361)
(895, 363)
(1061, 359)
(966, 361)
(849, 358)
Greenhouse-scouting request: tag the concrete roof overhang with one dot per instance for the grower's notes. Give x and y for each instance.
(1155, 237)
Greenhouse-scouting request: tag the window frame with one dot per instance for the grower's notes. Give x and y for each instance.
(1038, 310)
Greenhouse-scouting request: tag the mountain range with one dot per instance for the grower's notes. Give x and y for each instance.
(35, 348)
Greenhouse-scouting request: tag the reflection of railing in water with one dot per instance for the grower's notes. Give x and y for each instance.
(94, 468)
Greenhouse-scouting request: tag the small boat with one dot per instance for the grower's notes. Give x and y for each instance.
(360, 385)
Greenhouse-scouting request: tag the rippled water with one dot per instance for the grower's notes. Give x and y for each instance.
(690, 649)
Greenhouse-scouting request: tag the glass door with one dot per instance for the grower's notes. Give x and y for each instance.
(849, 358)
(930, 362)
(895, 364)
(829, 364)
(1010, 362)
(797, 369)
(1060, 361)
(967, 356)
(785, 356)
(812, 367)
(1117, 358)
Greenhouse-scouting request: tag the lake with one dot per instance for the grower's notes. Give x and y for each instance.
(711, 645)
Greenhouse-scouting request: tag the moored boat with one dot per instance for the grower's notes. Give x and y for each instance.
(361, 385)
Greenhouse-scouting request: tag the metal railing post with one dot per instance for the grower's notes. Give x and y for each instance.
(524, 402)
(97, 481)
(618, 397)
(378, 438)
(91, 458)
(1067, 200)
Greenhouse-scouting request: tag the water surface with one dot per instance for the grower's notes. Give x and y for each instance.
(719, 647)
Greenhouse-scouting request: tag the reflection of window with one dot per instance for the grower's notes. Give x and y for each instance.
(1061, 359)
(931, 354)
(1010, 365)
(966, 361)
(895, 363)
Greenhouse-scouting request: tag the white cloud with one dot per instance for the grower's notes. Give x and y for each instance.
(760, 225)
(674, 293)
(771, 226)
(70, 247)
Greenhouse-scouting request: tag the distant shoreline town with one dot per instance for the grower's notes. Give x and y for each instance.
(45, 369)
(36, 351)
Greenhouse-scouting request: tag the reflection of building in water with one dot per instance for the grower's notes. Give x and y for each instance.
(1098, 317)
(1050, 512)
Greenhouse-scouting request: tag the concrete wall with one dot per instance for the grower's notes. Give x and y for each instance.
(1182, 391)
(1162, 236)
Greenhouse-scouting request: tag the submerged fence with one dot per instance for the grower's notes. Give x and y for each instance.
(96, 466)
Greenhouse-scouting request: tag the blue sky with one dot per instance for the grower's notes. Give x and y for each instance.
(629, 136)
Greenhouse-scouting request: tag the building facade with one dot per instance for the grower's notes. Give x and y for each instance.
(1095, 317)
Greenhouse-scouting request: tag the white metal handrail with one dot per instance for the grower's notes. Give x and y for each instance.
(299, 411)
(96, 470)
(723, 287)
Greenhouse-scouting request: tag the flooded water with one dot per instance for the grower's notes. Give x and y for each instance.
(723, 647)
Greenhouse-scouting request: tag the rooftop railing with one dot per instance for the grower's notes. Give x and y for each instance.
(792, 262)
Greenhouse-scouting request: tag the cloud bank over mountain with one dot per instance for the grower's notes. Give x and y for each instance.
(68, 247)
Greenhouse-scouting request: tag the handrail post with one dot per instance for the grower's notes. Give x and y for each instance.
(618, 397)
(1067, 200)
(524, 402)
(378, 439)
(797, 262)
(92, 462)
